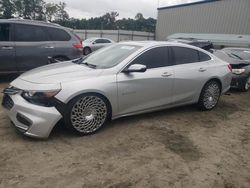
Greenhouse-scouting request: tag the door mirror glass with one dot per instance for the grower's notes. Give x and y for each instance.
(94, 42)
(135, 68)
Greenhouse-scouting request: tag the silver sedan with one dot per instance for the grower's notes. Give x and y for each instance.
(92, 44)
(120, 80)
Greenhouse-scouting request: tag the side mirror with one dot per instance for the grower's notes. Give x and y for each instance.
(135, 68)
(94, 42)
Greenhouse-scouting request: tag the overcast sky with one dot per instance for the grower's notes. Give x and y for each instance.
(126, 8)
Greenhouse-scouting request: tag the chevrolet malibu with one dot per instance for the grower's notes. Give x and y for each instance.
(120, 80)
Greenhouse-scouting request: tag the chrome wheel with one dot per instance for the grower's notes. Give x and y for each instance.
(88, 114)
(247, 85)
(211, 95)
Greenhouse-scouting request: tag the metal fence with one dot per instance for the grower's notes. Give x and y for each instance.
(116, 35)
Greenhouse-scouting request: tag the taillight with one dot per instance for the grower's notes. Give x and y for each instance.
(230, 67)
(78, 45)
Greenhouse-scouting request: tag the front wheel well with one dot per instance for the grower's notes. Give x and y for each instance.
(100, 95)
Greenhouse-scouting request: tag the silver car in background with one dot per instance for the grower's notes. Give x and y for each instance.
(93, 44)
(120, 80)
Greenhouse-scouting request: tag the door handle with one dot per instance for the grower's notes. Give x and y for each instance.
(49, 47)
(202, 69)
(166, 74)
(7, 48)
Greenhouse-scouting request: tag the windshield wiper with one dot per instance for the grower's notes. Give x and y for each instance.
(81, 61)
(89, 65)
(78, 61)
(236, 56)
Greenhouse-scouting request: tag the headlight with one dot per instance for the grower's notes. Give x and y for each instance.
(238, 71)
(43, 98)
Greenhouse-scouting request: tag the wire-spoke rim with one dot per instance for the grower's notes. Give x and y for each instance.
(211, 95)
(88, 114)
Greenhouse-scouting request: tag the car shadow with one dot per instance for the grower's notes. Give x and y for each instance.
(60, 129)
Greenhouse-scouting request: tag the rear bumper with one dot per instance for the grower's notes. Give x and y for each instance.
(32, 120)
(238, 81)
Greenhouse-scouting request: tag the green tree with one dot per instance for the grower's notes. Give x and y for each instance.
(109, 20)
(139, 16)
(50, 11)
(7, 9)
(61, 12)
(30, 9)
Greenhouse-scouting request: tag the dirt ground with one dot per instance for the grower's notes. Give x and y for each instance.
(179, 147)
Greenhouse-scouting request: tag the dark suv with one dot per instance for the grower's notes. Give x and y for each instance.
(27, 44)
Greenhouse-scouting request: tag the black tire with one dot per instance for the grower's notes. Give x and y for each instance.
(86, 51)
(210, 95)
(245, 85)
(85, 121)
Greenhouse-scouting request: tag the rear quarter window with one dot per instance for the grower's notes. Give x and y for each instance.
(183, 55)
(204, 57)
(57, 34)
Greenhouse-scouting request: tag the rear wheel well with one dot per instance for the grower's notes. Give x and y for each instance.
(216, 80)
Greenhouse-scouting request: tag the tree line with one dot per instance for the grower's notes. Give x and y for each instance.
(40, 10)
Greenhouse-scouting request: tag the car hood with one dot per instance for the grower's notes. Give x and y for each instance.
(59, 72)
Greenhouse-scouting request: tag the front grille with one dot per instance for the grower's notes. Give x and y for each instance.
(7, 102)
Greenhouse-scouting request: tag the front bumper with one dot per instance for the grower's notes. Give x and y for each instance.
(32, 120)
(238, 81)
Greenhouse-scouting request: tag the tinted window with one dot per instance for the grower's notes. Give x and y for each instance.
(58, 34)
(154, 58)
(203, 56)
(4, 32)
(105, 41)
(98, 41)
(29, 33)
(184, 55)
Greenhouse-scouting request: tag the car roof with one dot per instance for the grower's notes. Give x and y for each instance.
(94, 38)
(30, 22)
(159, 43)
(243, 49)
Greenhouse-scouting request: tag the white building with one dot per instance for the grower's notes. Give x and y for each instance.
(207, 16)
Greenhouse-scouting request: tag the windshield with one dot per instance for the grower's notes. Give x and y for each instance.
(240, 54)
(110, 56)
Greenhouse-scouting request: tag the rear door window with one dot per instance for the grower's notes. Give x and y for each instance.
(105, 41)
(99, 41)
(4, 32)
(29, 33)
(154, 58)
(57, 34)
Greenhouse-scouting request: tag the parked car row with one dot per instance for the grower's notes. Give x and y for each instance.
(119, 80)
